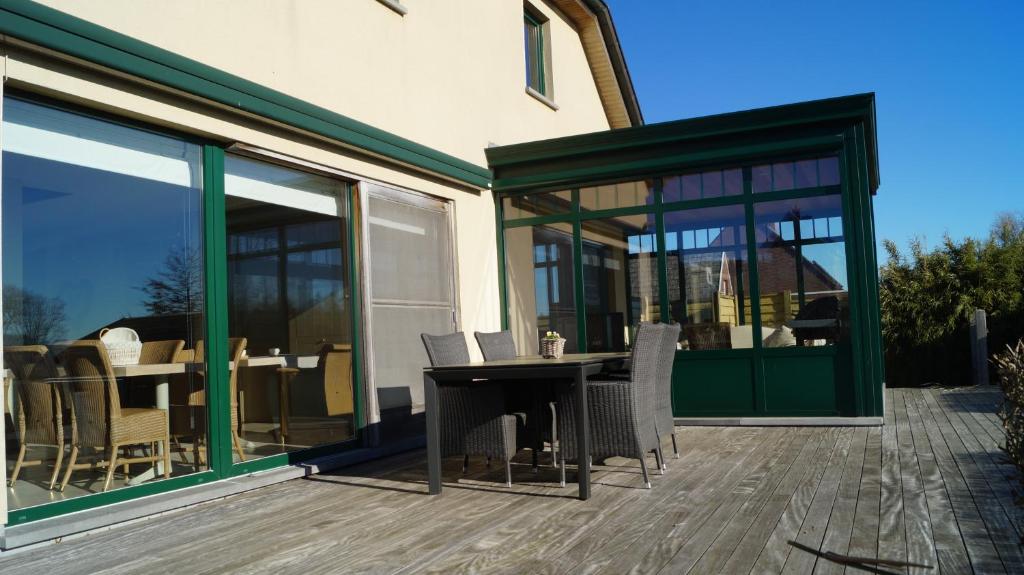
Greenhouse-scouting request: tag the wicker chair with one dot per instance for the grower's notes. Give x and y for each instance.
(164, 351)
(708, 335)
(664, 421)
(538, 407)
(100, 421)
(39, 418)
(473, 418)
(334, 368)
(621, 412)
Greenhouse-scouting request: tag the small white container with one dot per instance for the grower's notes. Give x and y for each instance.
(123, 345)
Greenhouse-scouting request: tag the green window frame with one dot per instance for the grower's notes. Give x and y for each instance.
(534, 30)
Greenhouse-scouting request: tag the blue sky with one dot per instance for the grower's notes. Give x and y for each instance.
(948, 79)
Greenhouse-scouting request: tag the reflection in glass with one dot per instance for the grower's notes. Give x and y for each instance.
(801, 259)
(102, 228)
(620, 195)
(710, 184)
(530, 205)
(620, 279)
(709, 290)
(540, 292)
(795, 175)
(288, 309)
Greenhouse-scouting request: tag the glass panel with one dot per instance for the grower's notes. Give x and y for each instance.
(544, 204)
(289, 309)
(709, 184)
(621, 195)
(541, 295)
(102, 228)
(796, 175)
(620, 279)
(531, 39)
(708, 277)
(804, 298)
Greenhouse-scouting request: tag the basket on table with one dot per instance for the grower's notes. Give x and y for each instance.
(123, 345)
(552, 347)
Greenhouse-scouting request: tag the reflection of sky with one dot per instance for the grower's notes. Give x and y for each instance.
(90, 237)
(831, 257)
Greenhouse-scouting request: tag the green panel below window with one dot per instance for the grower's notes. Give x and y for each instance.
(800, 385)
(712, 387)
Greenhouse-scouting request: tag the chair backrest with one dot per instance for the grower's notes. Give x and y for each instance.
(335, 366)
(644, 369)
(164, 351)
(497, 345)
(93, 390)
(448, 349)
(708, 335)
(663, 388)
(236, 345)
(39, 411)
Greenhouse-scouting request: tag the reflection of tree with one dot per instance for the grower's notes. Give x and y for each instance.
(31, 318)
(178, 287)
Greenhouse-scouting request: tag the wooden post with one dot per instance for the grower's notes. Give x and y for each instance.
(979, 347)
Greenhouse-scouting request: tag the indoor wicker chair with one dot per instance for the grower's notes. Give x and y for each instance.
(191, 421)
(473, 418)
(714, 335)
(164, 351)
(334, 370)
(664, 421)
(621, 411)
(538, 406)
(39, 419)
(100, 421)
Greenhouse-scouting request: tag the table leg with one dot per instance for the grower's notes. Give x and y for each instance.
(582, 434)
(163, 401)
(432, 404)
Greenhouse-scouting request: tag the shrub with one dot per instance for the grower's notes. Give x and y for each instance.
(1010, 369)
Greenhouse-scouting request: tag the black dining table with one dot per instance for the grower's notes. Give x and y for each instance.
(570, 369)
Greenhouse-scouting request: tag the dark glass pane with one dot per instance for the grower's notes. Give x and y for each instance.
(620, 279)
(691, 187)
(102, 228)
(712, 184)
(620, 195)
(672, 189)
(804, 298)
(733, 182)
(540, 290)
(288, 303)
(782, 176)
(708, 277)
(530, 205)
(828, 171)
(806, 174)
(761, 179)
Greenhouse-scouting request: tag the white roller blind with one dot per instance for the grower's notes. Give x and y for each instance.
(267, 183)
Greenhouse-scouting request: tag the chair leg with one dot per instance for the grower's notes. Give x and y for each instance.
(508, 473)
(167, 457)
(127, 455)
(675, 448)
(536, 460)
(237, 441)
(465, 464)
(659, 458)
(71, 467)
(111, 464)
(561, 472)
(643, 468)
(56, 466)
(17, 465)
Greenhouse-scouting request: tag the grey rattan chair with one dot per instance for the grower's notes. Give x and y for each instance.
(538, 409)
(663, 418)
(621, 411)
(39, 414)
(473, 418)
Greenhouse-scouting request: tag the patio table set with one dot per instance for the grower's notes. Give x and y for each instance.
(585, 406)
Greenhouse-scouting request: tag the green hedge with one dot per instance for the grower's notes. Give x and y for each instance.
(928, 297)
(1010, 368)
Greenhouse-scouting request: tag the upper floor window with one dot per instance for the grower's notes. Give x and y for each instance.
(535, 41)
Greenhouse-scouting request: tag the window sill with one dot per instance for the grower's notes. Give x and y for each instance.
(396, 6)
(544, 99)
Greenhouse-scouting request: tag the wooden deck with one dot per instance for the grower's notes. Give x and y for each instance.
(931, 486)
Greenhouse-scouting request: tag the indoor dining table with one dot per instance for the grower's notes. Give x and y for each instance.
(570, 369)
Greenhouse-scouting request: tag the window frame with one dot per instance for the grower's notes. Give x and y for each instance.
(538, 63)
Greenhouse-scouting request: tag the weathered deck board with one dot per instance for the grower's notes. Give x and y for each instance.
(929, 486)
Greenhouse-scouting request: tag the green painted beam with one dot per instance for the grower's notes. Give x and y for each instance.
(49, 28)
